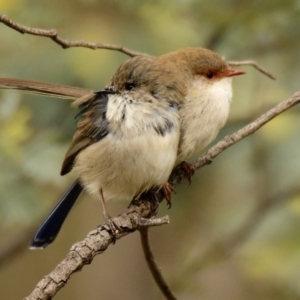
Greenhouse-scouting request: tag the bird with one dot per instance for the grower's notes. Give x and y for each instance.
(154, 113)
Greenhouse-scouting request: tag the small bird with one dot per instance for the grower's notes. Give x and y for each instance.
(154, 113)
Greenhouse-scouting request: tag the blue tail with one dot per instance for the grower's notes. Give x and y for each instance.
(48, 231)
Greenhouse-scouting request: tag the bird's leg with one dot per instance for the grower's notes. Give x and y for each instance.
(102, 200)
(167, 189)
(112, 226)
(188, 169)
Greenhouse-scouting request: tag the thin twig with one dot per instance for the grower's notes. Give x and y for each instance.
(253, 64)
(146, 223)
(52, 34)
(155, 271)
(65, 43)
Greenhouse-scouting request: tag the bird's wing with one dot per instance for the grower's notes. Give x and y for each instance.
(92, 127)
(43, 88)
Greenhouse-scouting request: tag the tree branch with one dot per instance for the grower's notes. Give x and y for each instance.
(155, 271)
(96, 242)
(64, 43)
(253, 64)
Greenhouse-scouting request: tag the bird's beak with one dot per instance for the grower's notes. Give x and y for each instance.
(232, 72)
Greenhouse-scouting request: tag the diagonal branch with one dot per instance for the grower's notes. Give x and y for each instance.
(65, 43)
(98, 240)
(52, 34)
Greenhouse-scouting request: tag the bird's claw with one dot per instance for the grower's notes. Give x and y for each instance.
(188, 170)
(168, 190)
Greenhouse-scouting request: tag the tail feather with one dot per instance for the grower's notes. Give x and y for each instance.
(48, 231)
(43, 88)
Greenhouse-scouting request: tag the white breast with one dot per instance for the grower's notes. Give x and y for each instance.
(203, 114)
(133, 157)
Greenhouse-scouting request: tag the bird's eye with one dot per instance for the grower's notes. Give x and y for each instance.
(209, 75)
(129, 86)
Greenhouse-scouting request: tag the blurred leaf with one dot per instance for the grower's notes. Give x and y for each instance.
(280, 129)
(14, 129)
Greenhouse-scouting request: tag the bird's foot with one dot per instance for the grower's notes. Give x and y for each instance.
(167, 190)
(188, 170)
(112, 226)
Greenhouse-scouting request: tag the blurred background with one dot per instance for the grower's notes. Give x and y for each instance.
(235, 232)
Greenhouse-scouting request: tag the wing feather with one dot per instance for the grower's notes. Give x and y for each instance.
(92, 127)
